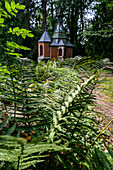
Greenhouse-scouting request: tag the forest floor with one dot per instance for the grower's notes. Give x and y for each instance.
(104, 105)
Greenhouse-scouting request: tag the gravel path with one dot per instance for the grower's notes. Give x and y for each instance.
(105, 107)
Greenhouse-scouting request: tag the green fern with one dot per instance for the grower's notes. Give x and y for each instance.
(24, 155)
(100, 159)
(54, 115)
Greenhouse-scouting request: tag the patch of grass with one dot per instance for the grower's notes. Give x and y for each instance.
(107, 88)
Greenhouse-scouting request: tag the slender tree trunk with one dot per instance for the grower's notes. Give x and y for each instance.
(74, 26)
(44, 2)
(52, 16)
(82, 22)
(69, 15)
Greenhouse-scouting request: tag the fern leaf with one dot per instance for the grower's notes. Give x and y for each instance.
(103, 159)
(27, 164)
(5, 122)
(11, 130)
(109, 150)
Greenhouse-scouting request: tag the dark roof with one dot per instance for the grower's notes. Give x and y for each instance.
(59, 32)
(45, 37)
(69, 44)
(61, 43)
(59, 36)
(54, 44)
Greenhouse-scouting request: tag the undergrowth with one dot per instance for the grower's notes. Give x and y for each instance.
(47, 118)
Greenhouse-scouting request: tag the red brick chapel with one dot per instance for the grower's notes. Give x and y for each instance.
(58, 47)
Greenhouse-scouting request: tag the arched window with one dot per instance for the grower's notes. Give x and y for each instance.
(60, 52)
(41, 50)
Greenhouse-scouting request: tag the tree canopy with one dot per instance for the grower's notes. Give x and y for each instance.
(88, 25)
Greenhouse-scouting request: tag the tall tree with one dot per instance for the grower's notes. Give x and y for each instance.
(31, 19)
(100, 33)
(51, 16)
(44, 2)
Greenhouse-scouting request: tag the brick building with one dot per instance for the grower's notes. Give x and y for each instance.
(58, 47)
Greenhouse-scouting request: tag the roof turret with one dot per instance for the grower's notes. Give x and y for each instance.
(60, 16)
(59, 33)
(61, 43)
(45, 37)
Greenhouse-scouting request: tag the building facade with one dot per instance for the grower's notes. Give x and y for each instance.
(58, 47)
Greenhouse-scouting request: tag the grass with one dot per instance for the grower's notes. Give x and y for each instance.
(107, 88)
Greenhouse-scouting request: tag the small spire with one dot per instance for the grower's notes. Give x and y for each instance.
(45, 37)
(60, 15)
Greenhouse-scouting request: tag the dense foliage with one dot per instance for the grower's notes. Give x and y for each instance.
(51, 109)
(47, 119)
(100, 35)
(91, 35)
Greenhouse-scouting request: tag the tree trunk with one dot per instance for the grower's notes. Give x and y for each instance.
(44, 2)
(82, 22)
(74, 26)
(52, 16)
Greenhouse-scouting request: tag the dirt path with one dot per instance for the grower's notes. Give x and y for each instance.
(105, 107)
